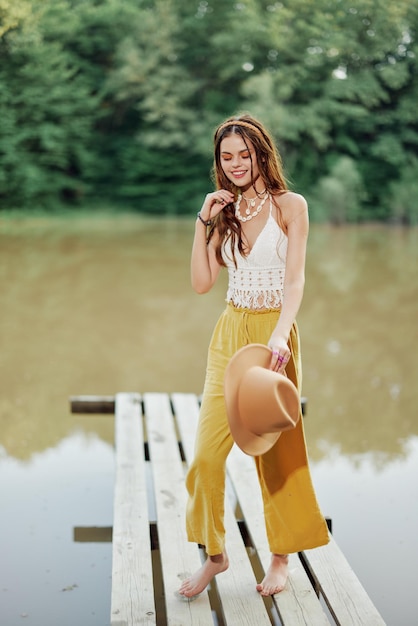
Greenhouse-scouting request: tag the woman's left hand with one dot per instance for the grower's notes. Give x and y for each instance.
(280, 356)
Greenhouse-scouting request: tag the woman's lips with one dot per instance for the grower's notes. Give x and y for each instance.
(239, 174)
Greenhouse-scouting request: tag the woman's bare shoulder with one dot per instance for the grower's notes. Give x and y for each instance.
(293, 208)
(292, 201)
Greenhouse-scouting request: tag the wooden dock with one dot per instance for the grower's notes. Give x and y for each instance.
(154, 439)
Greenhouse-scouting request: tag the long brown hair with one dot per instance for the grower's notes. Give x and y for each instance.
(269, 165)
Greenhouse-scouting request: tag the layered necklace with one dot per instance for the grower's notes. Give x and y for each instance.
(251, 210)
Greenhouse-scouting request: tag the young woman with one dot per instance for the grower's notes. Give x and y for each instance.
(258, 230)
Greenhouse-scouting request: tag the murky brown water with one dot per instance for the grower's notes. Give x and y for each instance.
(98, 305)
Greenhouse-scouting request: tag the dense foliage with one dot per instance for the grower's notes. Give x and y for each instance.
(115, 102)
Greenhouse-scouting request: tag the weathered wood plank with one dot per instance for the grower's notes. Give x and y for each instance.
(241, 604)
(132, 602)
(186, 410)
(178, 557)
(344, 595)
(297, 604)
(92, 404)
(92, 534)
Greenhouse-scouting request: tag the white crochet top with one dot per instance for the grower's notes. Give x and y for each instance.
(257, 281)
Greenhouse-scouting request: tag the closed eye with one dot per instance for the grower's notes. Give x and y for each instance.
(228, 157)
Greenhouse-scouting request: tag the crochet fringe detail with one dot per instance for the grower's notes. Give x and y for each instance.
(255, 299)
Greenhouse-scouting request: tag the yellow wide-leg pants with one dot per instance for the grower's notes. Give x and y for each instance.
(292, 516)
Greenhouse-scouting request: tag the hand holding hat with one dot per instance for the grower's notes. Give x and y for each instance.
(260, 403)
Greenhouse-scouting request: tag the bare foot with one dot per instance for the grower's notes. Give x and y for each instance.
(200, 579)
(275, 579)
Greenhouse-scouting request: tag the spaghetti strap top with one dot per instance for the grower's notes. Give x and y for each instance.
(258, 279)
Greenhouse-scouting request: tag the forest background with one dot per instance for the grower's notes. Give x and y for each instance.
(114, 103)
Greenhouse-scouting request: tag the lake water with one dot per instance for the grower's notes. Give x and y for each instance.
(101, 304)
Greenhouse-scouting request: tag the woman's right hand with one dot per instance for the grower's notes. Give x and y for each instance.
(215, 202)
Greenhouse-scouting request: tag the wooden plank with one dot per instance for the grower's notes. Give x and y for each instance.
(186, 410)
(92, 534)
(92, 404)
(297, 604)
(242, 605)
(343, 593)
(178, 557)
(132, 602)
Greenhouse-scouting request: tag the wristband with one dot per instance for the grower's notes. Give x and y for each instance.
(205, 222)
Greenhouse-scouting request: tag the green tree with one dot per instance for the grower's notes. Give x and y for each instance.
(403, 195)
(338, 197)
(344, 72)
(14, 14)
(46, 113)
(153, 131)
(108, 101)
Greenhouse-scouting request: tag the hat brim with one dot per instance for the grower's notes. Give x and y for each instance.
(251, 443)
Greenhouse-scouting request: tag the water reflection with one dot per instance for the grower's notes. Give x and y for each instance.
(44, 576)
(97, 305)
(359, 324)
(375, 515)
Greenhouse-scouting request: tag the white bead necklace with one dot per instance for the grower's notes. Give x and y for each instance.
(248, 214)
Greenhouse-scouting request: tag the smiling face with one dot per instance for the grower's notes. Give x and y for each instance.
(239, 162)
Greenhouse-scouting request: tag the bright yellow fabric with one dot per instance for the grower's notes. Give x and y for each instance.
(292, 516)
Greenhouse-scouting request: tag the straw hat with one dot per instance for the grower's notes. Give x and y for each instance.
(260, 403)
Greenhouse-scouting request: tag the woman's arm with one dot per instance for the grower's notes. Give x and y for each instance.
(204, 265)
(295, 214)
